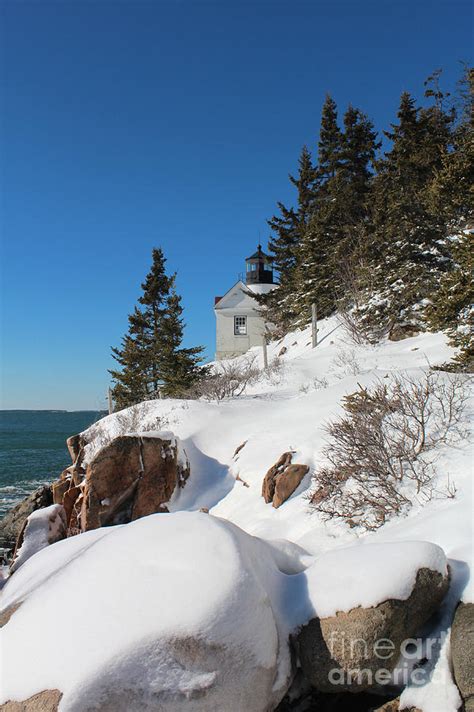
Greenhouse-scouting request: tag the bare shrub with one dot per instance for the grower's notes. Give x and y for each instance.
(228, 380)
(317, 384)
(274, 371)
(320, 384)
(346, 360)
(383, 449)
(131, 419)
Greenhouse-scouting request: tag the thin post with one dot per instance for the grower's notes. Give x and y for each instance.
(314, 325)
(265, 354)
(110, 401)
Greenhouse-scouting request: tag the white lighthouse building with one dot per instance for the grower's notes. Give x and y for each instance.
(239, 322)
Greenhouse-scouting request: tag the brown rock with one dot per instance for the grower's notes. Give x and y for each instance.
(159, 478)
(341, 652)
(74, 523)
(69, 500)
(130, 477)
(59, 490)
(287, 481)
(46, 701)
(462, 652)
(268, 486)
(74, 445)
(282, 479)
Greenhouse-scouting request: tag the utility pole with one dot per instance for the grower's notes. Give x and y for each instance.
(110, 400)
(314, 325)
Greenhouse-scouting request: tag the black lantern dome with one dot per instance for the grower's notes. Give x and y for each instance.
(259, 268)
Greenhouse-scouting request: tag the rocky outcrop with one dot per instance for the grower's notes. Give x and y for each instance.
(268, 486)
(13, 522)
(345, 651)
(75, 445)
(130, 477)
(46, 701)
(42, 528)
(462, 652)
(287, 482)
(282, 479)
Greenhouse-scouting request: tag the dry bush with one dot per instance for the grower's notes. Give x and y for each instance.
(346, 360)
(383, 449)
(317, 384)
(130, 420)
(274, 371)
(228, 380)
(320, 384)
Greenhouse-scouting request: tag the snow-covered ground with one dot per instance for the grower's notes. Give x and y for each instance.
(288, 411)
(230, 446)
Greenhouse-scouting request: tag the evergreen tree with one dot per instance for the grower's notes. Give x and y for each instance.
(151, 357)
(330, 142)
(339, 206)
(314, 277)
(452, 192)
(288, 229)
(451, 308)
(452, 188)
(407, 250)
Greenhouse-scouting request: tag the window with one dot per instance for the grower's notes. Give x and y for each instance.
(251, 267)
(240, 325)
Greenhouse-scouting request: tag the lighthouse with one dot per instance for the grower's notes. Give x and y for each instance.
(239, 322)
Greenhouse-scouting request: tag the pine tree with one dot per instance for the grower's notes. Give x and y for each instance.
(314, 277)
(339, 206)
(151, 357)
(288, 229)
(179, 367)
(358, 155)
(330, 142)
(451, 308)
(407, 250)
(452, 192)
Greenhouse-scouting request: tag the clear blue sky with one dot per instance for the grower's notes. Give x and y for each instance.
(133, 124)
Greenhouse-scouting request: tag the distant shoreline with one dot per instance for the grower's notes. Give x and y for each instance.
(53, 410)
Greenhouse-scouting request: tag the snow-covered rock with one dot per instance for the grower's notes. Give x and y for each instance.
(369, 600)
(14, 521)
(170, 612)
(42, 528)
(462, 651)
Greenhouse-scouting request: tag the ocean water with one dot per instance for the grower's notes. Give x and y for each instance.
(33, 448)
